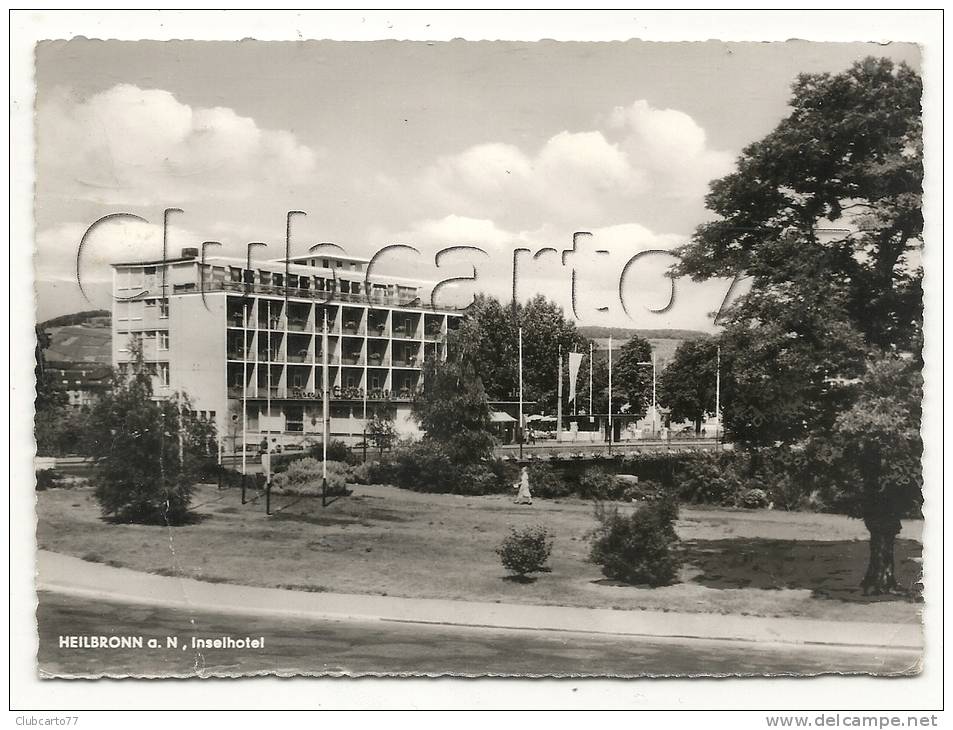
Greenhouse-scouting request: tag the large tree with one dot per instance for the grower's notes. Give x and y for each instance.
(824, 216)
(631, 378)
(687, 384)
(492, 330)
(835, 188)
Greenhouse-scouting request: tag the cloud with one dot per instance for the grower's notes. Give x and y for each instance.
(603, 273)
(110, 242)
(642, 162)
(134, 146)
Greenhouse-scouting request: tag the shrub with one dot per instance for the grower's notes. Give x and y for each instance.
(47, 479)
(478, 479)
(754, 498)
(337, 451)
(304, 476)
(547, 482)
(425, 466)
(526, 551)
(709, 479)
(597, 483)
(383, 471)
(637, 548)
(643, 490)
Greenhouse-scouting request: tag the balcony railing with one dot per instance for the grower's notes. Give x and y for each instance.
(298, 325)
(321, 296)
(299, 357)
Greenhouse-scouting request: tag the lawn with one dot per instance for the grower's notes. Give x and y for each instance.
(387, 541)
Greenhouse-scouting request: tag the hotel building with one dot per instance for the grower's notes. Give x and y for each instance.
(230, 336)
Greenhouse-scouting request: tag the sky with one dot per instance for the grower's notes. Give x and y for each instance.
(495, 146)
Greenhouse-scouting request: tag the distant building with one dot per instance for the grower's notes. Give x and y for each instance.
(254, 341)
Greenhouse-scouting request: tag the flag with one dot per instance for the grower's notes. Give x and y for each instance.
(575, 361)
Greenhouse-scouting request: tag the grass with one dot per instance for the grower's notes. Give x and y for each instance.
(387, 541)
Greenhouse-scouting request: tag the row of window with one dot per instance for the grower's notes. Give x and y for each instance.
(160, 337)
(126, 311)
(159, 370)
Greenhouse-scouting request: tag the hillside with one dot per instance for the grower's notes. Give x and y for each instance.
(79, 338)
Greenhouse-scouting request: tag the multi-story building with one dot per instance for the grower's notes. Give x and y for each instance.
(230, 336)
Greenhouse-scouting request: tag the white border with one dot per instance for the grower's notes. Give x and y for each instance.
(862, 694)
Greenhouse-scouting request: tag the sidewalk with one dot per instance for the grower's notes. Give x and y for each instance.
(72, 576)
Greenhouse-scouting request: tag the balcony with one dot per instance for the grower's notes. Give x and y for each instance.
(298, 325)
(352, 360)
(303, 356)
(322, 296)
(237, 355)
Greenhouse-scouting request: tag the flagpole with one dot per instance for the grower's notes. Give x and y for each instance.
(610, 394)
(654, 404)
(590, 379)
(559, 396)
(325, 411)
(717, 392)
(521, 391)
(575, 382)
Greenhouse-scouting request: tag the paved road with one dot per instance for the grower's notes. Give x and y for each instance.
(295, 645)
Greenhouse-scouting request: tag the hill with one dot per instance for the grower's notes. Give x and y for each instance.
(623, 333)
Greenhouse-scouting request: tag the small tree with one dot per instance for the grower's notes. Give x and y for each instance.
(879, 440)
(452, 409)
(146, 451)
(637, 548)
(382, 433)
(526, 551)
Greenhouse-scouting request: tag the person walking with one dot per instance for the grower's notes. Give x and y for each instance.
(523, 495)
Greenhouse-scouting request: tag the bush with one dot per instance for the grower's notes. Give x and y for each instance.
(47, 479)
(547, 482)
(478, 479)
(638, 548)
(526, 551)
(425, 466)
(754, 498)
(643, 490)
(337, 451)
(304, 476)
(597, 483)
(709, 479)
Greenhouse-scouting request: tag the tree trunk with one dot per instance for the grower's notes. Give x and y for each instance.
(880, 577)
(698, 425)
(882, 525)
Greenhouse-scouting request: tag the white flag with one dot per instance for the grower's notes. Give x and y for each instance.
(575, 360)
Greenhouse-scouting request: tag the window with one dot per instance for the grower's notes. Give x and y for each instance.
(163, 339)
(163, 309)
(326, 263)
(211, 415)
(150, 303)
(297, 381)
(163, 373)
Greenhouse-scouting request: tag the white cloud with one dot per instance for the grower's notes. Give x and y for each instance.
(134, 146)
(645, 161)
(110, 242)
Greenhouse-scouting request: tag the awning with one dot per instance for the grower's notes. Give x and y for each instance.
(501, 417)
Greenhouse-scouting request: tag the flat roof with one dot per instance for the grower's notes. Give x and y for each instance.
(276, 266)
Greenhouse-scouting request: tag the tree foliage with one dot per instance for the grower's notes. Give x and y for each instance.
(146, 451)
(491, 330)
(631, 379)
(452, 407)
(824, 216)
(835, 187)
(687, 384)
